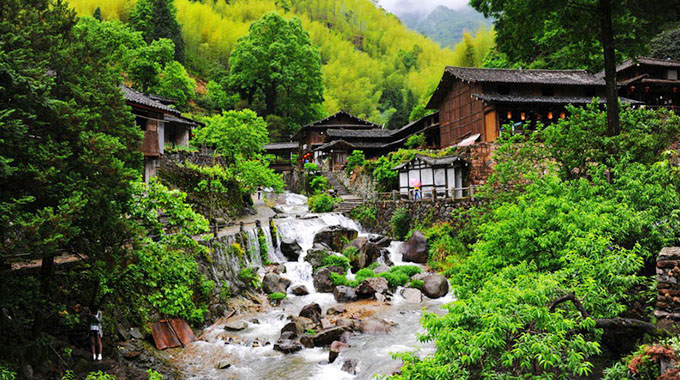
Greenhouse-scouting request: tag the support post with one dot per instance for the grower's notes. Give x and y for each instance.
(472, 192)
(241, 227)
(434, 194)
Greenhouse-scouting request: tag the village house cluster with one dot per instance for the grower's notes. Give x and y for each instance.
(472, 106)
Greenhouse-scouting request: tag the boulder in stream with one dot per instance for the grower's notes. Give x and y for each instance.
(335, 349)
(344, 294)
(382, 268)
(336, 309)
(273, 283)
(334, 236)
(368, 253)
(312, 311)
(415, 248)
(235, 325)
(299, 290)
(374, 325)
(324, 338)
(291, 249)
(435, 286)
(412, 295)
(372, 286)
(287, 346)
(350, 366)
(323, 283)
(317, 253)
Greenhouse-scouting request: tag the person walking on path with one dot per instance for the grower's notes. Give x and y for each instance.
(96, 334)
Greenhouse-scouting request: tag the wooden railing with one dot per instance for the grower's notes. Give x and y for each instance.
(425, 196)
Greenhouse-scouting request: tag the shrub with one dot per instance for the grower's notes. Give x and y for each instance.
(363, 274)
(365, 214)
(401, 221)
(418, 284)
(311, 168)
(249, 277)
(352, 253)
(355, 160)
(409, 270)
(277, 296)
(336, 261)
(318, 185)
(415, 141)
(340, 279)
(264, 247)
(321, 203)
(400, 275)
(225, 292)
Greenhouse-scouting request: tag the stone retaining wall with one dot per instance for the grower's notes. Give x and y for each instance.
(668, 286)
(438, 211)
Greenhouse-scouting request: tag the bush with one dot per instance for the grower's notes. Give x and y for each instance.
(311, 168)
(400, 275)
(363, 274)
(401, 223)
(352, 253)
(321, 203)
(277, 296)
(415, 141)
(418, 284)
(318, 185)
(249, 277)
(340, 279)
(355, 160)
(336, 261)
(365, 214)
(264, 247)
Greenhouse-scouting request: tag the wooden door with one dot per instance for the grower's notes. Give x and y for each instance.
(490, 129)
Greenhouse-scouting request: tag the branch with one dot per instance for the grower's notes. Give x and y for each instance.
(570, 297)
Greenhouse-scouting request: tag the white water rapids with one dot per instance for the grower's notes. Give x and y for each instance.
(250, 351)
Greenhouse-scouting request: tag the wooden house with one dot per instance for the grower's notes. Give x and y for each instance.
(281, 155)
(654, 82)
(423, 174)
(475, 103)
(163, 127)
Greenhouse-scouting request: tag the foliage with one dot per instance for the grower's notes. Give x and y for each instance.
(351, 253)
(249, 276)
(276, 65)
(6, 374)
(565, 39)
(174, 83)
(225, 292)
(587, 231)
(416, 141)
(157, 19)
(318, 185)
(336, 261)
(366, 214)
(417, 284)
(339, 279)
(264, 248)
(666, 44)
(321, 203)
(277, 296)
(354, 160)
(386, 178)
(153, 375)
(400, 275)
(360, 45)
(311, 168)
(401, 223)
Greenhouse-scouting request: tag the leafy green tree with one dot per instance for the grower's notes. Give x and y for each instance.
(354, 160)
(157, 19)
(561, 34)
(277, 64)
(97, 15)
(415, 141)
(175, 83)
(666, 44)
(68, 143)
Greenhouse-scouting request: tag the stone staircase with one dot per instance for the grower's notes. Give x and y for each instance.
(349, 201)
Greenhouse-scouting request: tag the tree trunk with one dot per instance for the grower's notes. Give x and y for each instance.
(41, 308)
(607, 39)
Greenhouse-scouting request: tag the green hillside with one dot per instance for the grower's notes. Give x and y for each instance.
(373, 66)
(446, 25)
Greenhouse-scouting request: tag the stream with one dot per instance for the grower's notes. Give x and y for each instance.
(250, 352)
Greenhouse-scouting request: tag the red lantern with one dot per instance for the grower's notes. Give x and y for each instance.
(509, 115)
(523, 116)
(562, 115)
(646, 88)
(550, 115)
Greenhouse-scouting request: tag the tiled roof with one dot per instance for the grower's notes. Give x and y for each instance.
(432, 161)
(143, 99)
(282, 146)
(359, 122)
(373, 132)
(182, 120)
(497, 98)
(547, 77)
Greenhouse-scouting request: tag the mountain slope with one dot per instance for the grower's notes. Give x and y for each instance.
(373, 65)
(445, 25)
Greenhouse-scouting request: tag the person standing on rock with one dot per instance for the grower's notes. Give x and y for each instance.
(96, 334)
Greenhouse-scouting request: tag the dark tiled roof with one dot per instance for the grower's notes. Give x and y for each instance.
(282, 146)
(356, 145)
(373, 132)
(182, 120)
(547, 77)
(646, 61)
(505, 99)
(432, 161)
(143, 99)
(359, 122)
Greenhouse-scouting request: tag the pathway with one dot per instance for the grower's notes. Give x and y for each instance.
(349, 200)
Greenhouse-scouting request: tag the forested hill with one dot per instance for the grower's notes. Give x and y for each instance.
(373, 65)
(446, 25)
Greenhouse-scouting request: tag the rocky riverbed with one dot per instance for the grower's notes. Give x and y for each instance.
(321, 331)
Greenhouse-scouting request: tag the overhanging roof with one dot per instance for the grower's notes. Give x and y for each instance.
(432, 161)
(281, 146)
(136, 97)
(557, 100)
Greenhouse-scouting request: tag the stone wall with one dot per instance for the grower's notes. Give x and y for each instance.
(668, 286)
(480, 157)
(428, 211)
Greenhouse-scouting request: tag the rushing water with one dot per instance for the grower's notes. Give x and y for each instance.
(250, 351)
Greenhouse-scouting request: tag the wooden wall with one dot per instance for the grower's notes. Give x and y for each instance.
(460, 114)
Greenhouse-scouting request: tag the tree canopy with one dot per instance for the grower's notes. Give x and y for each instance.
(276, 68)
(157, 19)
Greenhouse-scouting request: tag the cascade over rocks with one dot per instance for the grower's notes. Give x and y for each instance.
(317, 253)
(312, 311)
(333, 236)
(350, 366)
(435, 286)
(344, 294)
(415, 248)
(273, 283)
(335, 349)
(323, 283)
(291, 249)
(370, 287)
